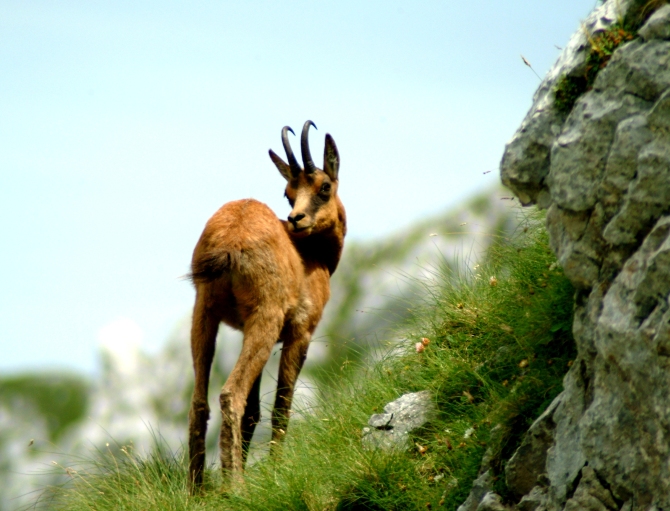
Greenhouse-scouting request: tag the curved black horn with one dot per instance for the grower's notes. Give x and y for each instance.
(304, 148)
(293, 163)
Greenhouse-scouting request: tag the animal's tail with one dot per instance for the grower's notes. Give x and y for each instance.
(213, 265)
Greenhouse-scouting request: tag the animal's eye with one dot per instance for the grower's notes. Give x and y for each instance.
(325, 187)
(288, 199)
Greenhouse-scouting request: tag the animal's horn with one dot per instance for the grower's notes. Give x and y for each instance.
(293, 163)
(304, 148)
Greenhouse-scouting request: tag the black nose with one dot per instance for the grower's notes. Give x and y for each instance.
(295, 219)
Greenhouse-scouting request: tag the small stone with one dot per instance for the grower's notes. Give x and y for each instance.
(390, 430)
(381, 420)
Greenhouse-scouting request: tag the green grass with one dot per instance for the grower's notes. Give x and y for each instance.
(500, 344)
(343, 332)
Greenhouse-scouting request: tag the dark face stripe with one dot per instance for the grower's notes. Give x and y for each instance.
(308, 184)
(316, 203)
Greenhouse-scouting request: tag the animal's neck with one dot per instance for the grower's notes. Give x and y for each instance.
(325, 248)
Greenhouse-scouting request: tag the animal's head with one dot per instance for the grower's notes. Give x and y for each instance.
(311, 192)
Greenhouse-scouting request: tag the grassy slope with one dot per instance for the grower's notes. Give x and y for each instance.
(366, 302)
(497, 354)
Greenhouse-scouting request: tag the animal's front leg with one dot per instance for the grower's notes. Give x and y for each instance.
(292, 358)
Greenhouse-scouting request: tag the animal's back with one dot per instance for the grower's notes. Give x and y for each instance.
(247, 254)
(238, 230)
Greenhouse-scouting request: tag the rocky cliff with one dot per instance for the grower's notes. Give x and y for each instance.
(601, 167)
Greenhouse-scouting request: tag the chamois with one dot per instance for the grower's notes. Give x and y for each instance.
(270, 279)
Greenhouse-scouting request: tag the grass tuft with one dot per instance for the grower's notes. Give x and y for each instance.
(499, 343)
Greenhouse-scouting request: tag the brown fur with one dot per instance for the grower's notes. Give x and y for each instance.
(270, 279)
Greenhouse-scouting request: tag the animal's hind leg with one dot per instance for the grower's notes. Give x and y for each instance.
(203, 342)
(292, 359)
(261, 331)
(252, 416)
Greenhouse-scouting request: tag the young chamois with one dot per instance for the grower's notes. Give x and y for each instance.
(270, 279)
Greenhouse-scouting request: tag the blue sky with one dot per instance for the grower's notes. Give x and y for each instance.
(125, 125)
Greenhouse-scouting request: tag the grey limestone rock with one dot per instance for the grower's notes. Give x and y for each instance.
(631, 135)
(491, 502)
(528, 462)
(579, 153)
(390, 430)
(603, 172)
(577, 242)
(640, 71)
(658, 25)
(525, 163)
(636, 68)
(535, 500)
(480, 488)
(590, 495)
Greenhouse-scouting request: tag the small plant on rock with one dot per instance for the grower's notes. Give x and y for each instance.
(601, 48)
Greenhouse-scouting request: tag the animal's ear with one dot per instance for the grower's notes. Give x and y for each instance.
(331, 158)
(283, 167)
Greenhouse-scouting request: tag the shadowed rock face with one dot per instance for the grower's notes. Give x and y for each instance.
(603, 173)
